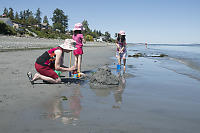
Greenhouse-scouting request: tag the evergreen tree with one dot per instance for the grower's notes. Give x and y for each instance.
(11, 14)
(27, 17)
(21, 15)
(107, 35)
(99, 33)
(24, 14)
(60, 21)
(86, 26)
(38, 16)
(95, 35)
(16, 16)
(116, 34)
(45, 20)
(5, 11)
(30, 18)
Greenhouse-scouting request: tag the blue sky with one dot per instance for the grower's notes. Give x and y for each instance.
(152, 21)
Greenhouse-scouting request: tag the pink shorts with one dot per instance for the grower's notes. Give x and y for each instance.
(78, 51)
(46, 71)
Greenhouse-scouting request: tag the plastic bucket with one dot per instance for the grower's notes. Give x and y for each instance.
(118, 67)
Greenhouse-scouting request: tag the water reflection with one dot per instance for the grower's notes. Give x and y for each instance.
(68, 109)
(122, 84)
(116, 91)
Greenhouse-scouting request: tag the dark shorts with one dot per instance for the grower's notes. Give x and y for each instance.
(46, 71)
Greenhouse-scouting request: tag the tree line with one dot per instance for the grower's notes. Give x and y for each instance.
(59, 23)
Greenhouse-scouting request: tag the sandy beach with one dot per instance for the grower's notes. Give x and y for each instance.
(18, 97)
(152, 99)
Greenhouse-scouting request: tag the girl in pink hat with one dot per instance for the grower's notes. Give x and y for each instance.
(121, 48)
(78, 37)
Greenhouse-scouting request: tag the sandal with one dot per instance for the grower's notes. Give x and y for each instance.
(30, 77)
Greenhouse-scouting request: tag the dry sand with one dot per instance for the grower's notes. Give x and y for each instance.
(21, 104)
(13, 42)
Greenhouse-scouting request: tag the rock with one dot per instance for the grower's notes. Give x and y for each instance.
(163, 55)
(159, 55)
(144, 55)
(136, 55)
(103, 78)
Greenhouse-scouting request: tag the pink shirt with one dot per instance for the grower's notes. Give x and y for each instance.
(79, 39)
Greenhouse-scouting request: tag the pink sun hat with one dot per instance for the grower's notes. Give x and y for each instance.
(122, 32)
(68, 44)
(78, 26)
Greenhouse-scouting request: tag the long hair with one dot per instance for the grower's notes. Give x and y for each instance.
(121, 38)
(77, 32)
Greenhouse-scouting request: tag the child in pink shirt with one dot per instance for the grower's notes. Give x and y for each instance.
(78, 37)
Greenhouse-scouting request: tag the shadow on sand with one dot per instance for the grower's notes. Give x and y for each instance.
(66, 81)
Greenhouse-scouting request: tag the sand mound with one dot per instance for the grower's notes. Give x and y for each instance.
(103, 78)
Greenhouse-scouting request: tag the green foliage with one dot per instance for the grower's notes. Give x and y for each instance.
(88, 31)
(89, 38)
(16, 16)
(21, 15)
(10, 13)
(108, 37)
(60, 21)
(45, 20)
(48, 33)
(6, 30)
(58, 26)
(38, 16)
(107, 34)
(26, 17)
(5, 11)
(86, 27)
